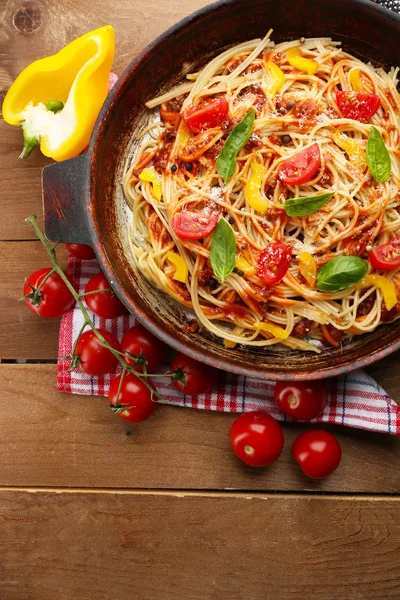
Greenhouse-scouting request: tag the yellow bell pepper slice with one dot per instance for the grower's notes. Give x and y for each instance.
(276, 78)
(78, 76)
(151, 175)
(274, 330)
(355, 80)
(296, 60)
(253, 187)
(243, 265)
(353, 149)
(308, 268)
(385, 285)
(181, 268)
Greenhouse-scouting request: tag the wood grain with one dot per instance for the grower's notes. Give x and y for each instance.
(175, 547)
(52, 439)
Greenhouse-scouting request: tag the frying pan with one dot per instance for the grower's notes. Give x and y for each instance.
(83, 200)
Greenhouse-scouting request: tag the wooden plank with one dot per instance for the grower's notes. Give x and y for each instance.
(102, 546)
(56, 24)
(52, 439)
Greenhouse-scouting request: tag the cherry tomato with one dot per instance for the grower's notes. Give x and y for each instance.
(301, 400)
(357, 105)
(103, 304)
(273, 262)
(386, 256)
(134, 395)
(256, 438)
(138, 340)
(206, 116)
(53, 299)
(94, 358)
(199, 378)
(317, 452)
(301, 167)
(81, 251)
(190, 225)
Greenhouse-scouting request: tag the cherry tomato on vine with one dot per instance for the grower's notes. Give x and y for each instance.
(135, 401)
(386, 256)
(103, 303)
(81, 251)
(256, 438)
(357, 105)
(139, 340)
(273, 262)
(53, 299)
(94, 358)
(317, 453)
(301, 167)
(207, 115)
(301, 400)
(189, 225)
(199, 378)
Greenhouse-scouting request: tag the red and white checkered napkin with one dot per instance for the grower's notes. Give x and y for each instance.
(355, 399)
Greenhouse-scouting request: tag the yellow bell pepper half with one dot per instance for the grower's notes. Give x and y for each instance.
(77, 76)
(354, 151)
(296, 60)
(181, 268)
(151, 175)
(355, 80)
(385, 285)
(243, 265)
(276, 78)
(274, 330)
(308, 268)
(253, 187)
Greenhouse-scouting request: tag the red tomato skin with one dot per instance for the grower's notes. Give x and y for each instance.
(94, 358)
(317, 453)
(138, 340)
(206, 116)
(301, 400)
(387, 256)
(256, 438)
(273, 262)
(104, 304)
(200, 378)
(358, 106)
(301, 167)
(81, 251)
(56, 297)
(190, 225)
(135, 394)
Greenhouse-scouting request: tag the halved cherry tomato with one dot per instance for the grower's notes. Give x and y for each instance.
(256, 438)
(273, 262)
(386, 256)
(94, 358)
(317, 453)
(139, 340)
(81, 251)
(357, 105)
(135, 401)
(190, 225)
(206, 116)
(199, 378)
(301, 400)
(103, 303)
(301, 167)
(53, 299)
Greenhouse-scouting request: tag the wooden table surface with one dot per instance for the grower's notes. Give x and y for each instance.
(91, 508)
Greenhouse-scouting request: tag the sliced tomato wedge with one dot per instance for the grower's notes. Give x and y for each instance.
(386, 256)
(301, 167)
(357, 105)
(190, 225)
(206, 116)
(273, 262)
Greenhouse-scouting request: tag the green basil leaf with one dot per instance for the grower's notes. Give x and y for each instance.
(226, 161)
(223, 250)
(378, 158)
(300, 207)
(340, 273)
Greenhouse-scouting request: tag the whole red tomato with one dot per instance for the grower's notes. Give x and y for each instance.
(81, 251)
(103, 303)
(301, 400)
(256, 438)
(199, 378)
(135, 401)
(94, 358)
(53, 299)
(139, 340)
(317, 453)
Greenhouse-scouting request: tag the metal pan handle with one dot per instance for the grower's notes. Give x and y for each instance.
(65, 188)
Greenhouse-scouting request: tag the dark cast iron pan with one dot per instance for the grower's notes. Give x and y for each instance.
(82, 196)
